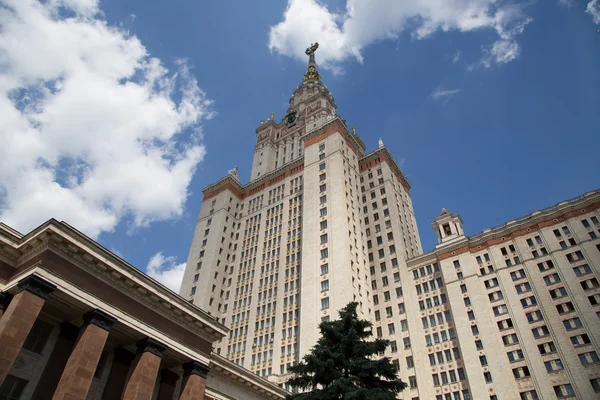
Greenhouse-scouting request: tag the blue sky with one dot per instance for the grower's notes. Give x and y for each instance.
(126, 109)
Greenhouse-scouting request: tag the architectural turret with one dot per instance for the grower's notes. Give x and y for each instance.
(448, 227)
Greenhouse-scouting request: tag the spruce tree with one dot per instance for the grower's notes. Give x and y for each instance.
(345, 364)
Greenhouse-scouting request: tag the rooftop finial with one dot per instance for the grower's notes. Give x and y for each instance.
(380, 143)
(312, 73)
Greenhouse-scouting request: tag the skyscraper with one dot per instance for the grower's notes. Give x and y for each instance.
(323, 222)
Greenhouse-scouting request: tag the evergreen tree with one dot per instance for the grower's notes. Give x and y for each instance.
(345, 364)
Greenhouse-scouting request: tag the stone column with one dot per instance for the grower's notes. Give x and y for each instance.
(168, 381)
(5, 299)
(17, 320)
(118, 374)
(142, 380)
(77, 376)
(56, 363)
(194, 381)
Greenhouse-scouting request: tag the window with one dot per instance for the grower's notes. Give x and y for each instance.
(589, 284)
(38, 336)
(582, 270)
(528, 301)
(515, 355)
(564, 391)
(321, 166)
(595, 384)
(324, 269)
(322, 188)
(574, 257)
(495, 296)
(565, 308)
(323, 199)
(540, 331)
(488, 377)
(572, 323)
(491, 283)
(500, 310)
(322, 177)
(483, 361)
(558, 293)
(530, 395)
(516, 275)
(534, 316)
(545, 266)
(412, 381)
(323, 211)
(521, 372)
(554, 365)
(580, 340)
(323, 225)
(324, 253)
(324, 238)
(547, 348)
(12, 388)
(588, 358)
(325, 303)
(325, 285)
(551, 279)
(322, 147)
(391, 329)
(505, 324)
(523, 287)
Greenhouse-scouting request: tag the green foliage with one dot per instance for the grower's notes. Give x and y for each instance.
(345, 364)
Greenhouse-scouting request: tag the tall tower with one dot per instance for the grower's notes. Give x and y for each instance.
(317, 226)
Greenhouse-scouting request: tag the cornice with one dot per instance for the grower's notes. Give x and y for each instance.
(250, 188)
(65, 241)
(390, 160)
(566, 209)
(231, 370)
(329, 124)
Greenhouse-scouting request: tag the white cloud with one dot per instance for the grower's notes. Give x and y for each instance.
(593, 8)
(166, 271)
(456, 57)
(94, 130)
(444, 94)
(567, 3)
(345, 35)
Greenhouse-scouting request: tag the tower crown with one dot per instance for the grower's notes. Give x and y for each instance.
(448, 227)
(312, 72)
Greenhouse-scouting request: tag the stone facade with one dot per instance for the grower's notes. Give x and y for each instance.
(322, 223)
(78, 322)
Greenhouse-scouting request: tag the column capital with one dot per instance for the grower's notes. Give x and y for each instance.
(152, 346)
(99, 318)
(195, 368)
(5, 299)
(36, 285)
(168, 377)
(69, 331)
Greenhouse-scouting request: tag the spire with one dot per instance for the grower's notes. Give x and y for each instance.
(312, 73)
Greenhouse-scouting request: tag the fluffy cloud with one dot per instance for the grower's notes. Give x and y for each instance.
(166, 271)
(344, 35)
(593, 8)
(444, 94)
(94, 130)
(567, 3)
